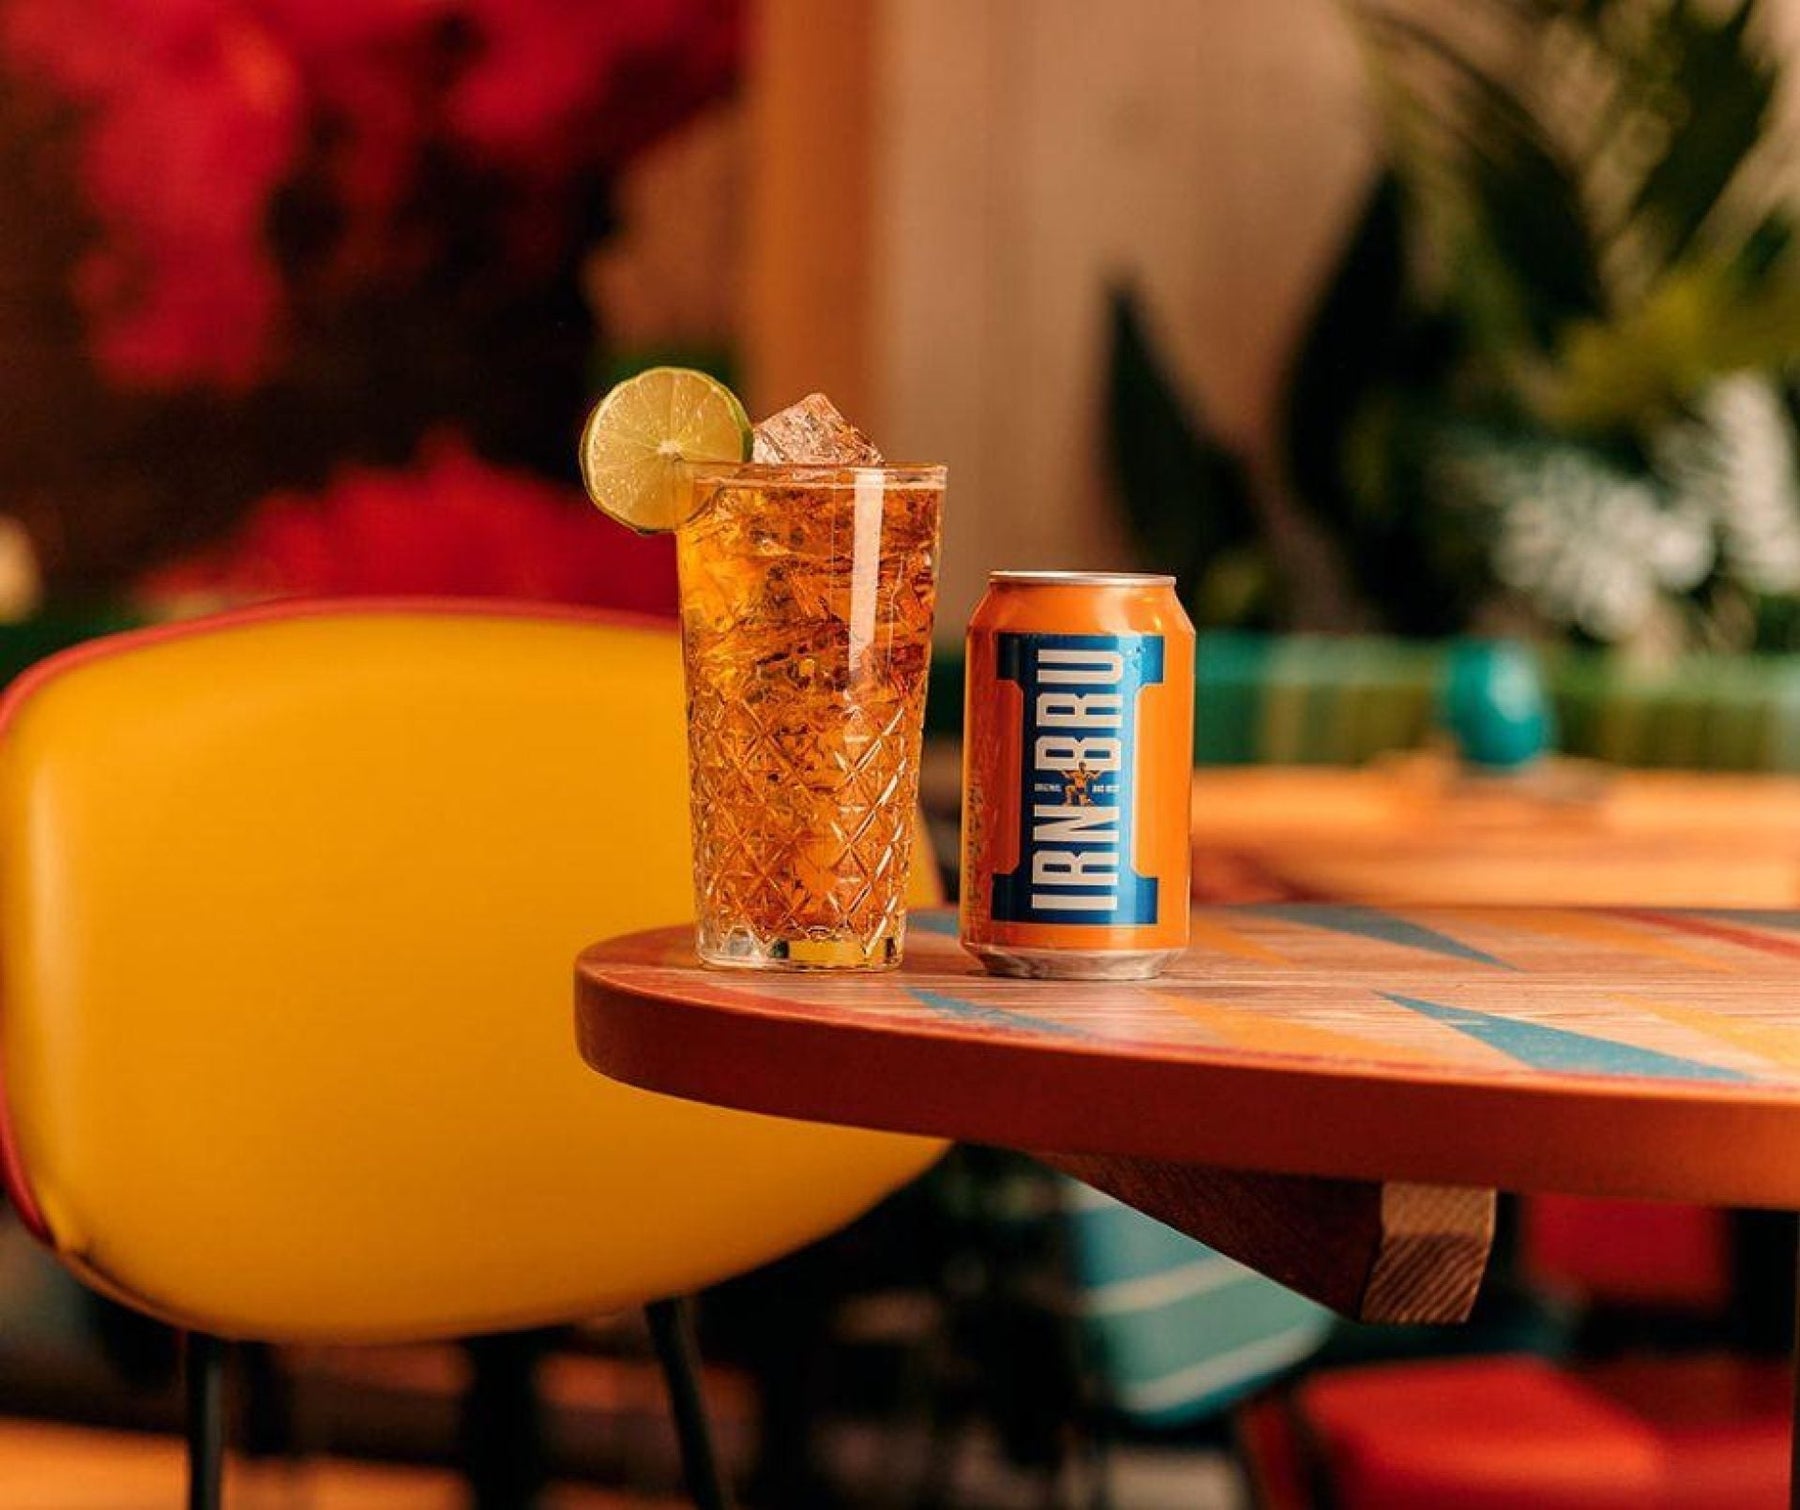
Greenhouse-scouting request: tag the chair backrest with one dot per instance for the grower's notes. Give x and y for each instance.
(289, 902)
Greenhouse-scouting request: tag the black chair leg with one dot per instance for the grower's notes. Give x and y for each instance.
(672, 1331)
(503, 1448)
(203, 1369)
(265, 1404)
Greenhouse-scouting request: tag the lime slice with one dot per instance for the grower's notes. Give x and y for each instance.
(635, 443)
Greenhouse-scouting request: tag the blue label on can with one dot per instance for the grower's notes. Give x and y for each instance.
(1078, 759)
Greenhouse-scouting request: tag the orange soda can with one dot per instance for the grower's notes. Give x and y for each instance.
(1078, 742)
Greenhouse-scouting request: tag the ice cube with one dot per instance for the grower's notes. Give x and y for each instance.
(813, 433)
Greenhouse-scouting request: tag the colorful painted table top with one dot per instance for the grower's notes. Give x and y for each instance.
(1606, 1051)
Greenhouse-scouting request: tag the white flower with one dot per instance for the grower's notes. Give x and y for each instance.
(1737, 461)
(1588, 544)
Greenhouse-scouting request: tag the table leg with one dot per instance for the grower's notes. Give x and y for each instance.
(1391, 1252)
(502, 1447)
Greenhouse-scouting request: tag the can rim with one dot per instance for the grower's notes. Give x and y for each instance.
(1083, 578)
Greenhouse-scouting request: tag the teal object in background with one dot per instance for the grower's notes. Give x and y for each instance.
(1231, 668)
(1338, 701)
(1494, 704)
(1173, 1330)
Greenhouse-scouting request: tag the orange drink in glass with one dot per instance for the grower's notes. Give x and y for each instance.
(807, 595)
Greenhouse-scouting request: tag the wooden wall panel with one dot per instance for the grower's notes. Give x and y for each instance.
(942, 189)
(810, 265)
(1026, 152)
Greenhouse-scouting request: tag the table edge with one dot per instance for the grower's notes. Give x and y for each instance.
(1633, 1141)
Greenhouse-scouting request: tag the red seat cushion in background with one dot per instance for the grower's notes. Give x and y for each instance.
(1687, 1433)
(1268, 1442)
(1723, 1422)
(1638, 1253)
(1479, 1434)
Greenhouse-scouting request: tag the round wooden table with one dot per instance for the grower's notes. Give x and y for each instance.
(1329, 1093)
(1607, 1052)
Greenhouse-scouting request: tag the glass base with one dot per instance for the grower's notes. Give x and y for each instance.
(743, 950)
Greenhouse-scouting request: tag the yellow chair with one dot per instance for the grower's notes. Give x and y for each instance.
(289, 901)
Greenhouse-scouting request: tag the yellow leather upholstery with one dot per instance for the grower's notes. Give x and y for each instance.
(288, 909)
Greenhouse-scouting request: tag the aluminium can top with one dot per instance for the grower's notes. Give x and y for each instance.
(1079, 579)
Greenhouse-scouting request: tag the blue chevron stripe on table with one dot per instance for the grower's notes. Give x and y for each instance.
(1373, 923)
(1547, 1048)
(992, 1017)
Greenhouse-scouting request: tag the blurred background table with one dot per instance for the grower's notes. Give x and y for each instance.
(1423, 828)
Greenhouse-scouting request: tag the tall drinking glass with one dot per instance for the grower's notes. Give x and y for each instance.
(806, 603)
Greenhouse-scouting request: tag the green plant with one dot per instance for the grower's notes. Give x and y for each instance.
(1547, 382)
(1187, 497)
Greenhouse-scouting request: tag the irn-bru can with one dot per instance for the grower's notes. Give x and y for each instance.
(1078, 739)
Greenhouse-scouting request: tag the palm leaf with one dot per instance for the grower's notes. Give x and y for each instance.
(1726, 88)
(1186, 497)
(1367, 365)
(1571, 156)
(1699, 321)
(1506, 192)
(1351, 351)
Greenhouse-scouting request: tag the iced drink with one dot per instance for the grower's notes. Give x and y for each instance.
(806, 607)
(808, 578)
